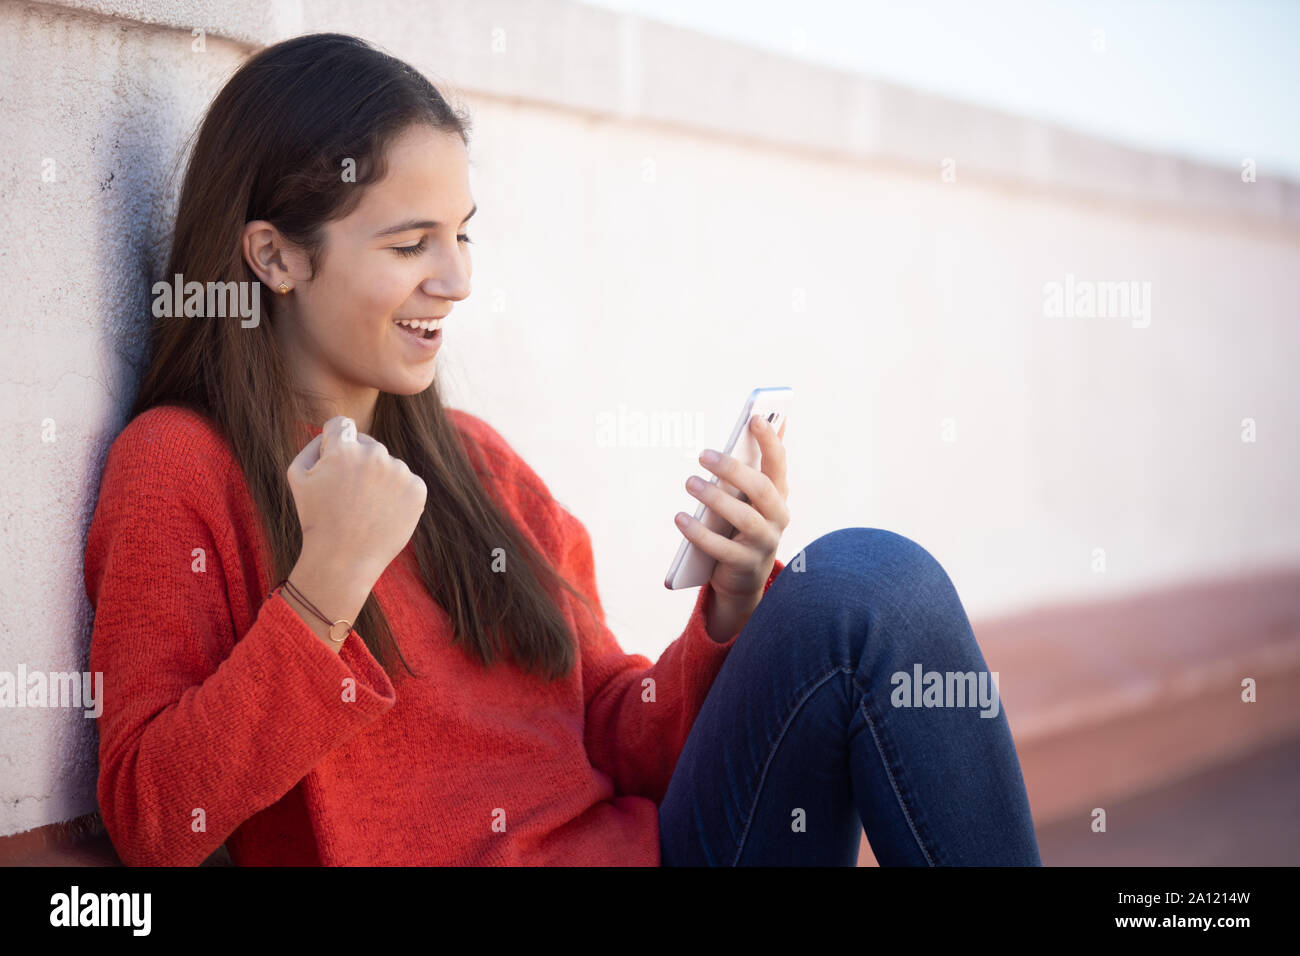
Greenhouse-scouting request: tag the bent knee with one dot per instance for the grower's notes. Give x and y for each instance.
(871, 564)
(874, 550)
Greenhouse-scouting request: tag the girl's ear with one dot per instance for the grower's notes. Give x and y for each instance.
(271, 257)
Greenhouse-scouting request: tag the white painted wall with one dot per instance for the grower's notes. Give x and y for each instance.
(668, 220)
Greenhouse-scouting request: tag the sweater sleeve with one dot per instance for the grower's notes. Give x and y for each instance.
(200, 728)
(637, 714)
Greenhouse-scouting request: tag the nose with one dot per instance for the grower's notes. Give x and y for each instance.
(448, 278)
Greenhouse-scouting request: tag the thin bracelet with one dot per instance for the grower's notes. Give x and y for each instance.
(293, 589)
(296, 592)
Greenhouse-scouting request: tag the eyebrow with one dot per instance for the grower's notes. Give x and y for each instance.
(419, 224)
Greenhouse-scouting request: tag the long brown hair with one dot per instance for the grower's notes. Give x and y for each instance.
(272, 147)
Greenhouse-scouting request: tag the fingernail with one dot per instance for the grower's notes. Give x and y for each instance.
(709, 456)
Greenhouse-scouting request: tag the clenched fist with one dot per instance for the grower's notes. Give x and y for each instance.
(356, 503)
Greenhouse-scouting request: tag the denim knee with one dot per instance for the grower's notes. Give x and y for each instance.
(876, 576)
(860, 561)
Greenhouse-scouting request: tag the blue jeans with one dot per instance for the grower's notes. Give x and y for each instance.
(803, 741)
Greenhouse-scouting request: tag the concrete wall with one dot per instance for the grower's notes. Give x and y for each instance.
(668, 220)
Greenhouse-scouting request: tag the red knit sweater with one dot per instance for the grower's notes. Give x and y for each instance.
(225, 718)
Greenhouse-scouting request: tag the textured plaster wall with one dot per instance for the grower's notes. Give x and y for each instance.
(666, 221)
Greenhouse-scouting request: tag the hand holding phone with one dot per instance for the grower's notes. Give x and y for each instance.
(692, 567)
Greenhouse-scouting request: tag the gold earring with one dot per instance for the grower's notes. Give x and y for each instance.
(284, 288)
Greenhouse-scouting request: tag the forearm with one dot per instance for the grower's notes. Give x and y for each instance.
(726, 616)
(338, 592)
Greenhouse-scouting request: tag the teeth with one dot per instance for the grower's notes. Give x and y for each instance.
(425, 325)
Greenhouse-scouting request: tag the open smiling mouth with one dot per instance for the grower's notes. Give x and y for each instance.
(426, 329)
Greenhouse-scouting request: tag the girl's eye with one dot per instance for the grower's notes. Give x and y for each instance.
(418, 248)
(410, 250)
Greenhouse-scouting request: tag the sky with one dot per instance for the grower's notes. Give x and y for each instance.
(1214, 80)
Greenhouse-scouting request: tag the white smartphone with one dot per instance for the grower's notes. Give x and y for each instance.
(692, 568)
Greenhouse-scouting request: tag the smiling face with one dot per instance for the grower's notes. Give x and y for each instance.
(401, 254)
